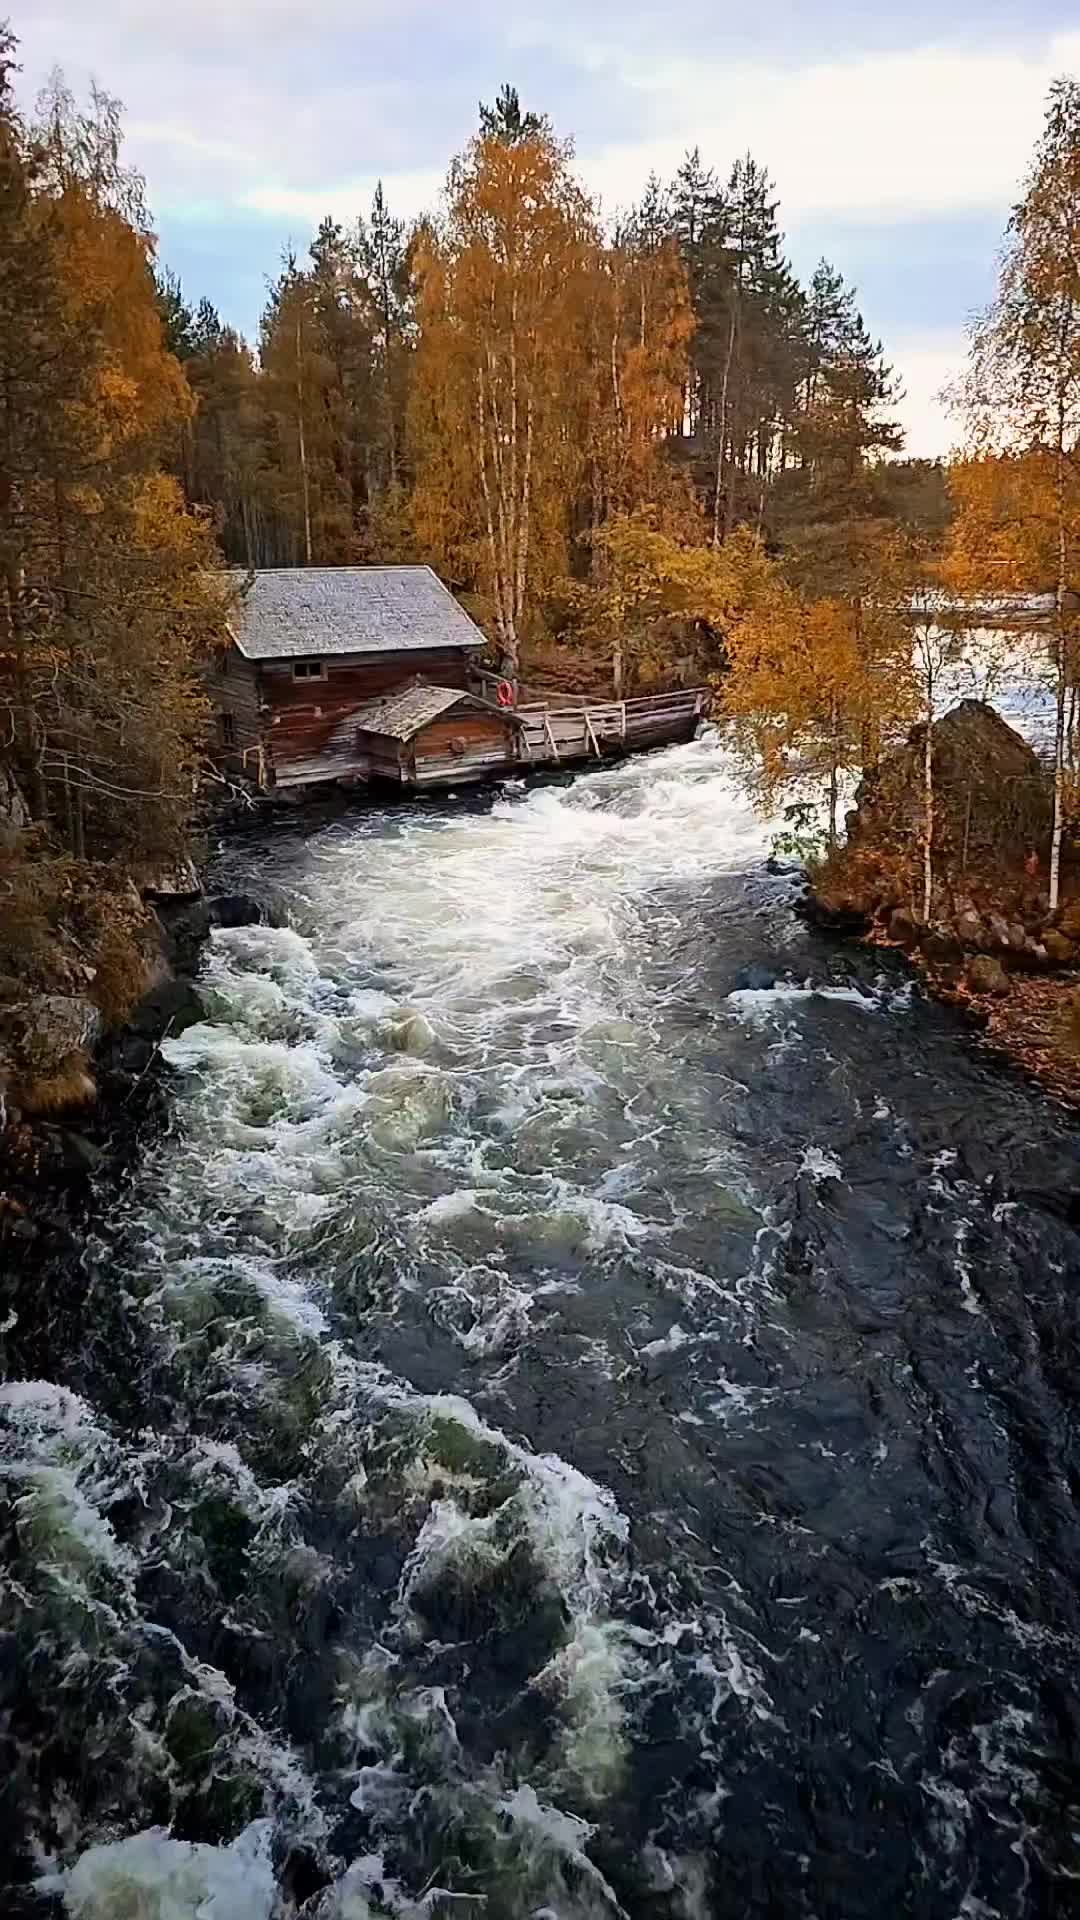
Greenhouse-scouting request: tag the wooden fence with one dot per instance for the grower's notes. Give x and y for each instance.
(581, 730)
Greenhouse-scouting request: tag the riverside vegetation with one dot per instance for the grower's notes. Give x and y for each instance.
(640, 449)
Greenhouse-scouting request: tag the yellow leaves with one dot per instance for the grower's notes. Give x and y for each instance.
(1004, 535)
(811, 680)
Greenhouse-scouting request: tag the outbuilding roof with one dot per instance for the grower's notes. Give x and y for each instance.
(400, 714)
(290, 613)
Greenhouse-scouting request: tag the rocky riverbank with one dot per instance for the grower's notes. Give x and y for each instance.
(78, 1126)
(990, 944)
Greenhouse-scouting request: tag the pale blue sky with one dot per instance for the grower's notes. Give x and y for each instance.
(896, 136)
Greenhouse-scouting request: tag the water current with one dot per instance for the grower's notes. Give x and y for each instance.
(560, 1431)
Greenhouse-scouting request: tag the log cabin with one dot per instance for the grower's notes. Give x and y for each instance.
(373, 673)
(314, 648)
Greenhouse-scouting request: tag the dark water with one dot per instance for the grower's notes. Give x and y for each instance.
(582, 1441)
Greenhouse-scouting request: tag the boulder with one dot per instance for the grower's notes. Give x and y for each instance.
(970, 930)
(998, 928)
(57, 1025)
(177, 881)
(992, 795)
(1060, 951)
(755, 979)
(939, 943)
(987, 975)
(236, 910)
(903, 927)
(1018, 939)
(1069, 920)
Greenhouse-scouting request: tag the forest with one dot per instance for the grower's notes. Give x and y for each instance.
(638, 448)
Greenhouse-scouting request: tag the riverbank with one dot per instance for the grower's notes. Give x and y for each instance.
(989, 946)
(1030, 1020)
(1024, 999)
(57, 1160)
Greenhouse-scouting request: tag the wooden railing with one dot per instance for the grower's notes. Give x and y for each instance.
(558, 730)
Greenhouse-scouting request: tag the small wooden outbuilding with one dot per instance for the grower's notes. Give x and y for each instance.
(434, 736)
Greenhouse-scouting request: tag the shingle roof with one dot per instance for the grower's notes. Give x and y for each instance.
(291, 613)
(403, 713)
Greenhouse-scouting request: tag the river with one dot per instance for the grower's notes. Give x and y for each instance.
(558, 1431)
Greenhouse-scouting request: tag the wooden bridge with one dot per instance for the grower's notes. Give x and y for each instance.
(574, 728)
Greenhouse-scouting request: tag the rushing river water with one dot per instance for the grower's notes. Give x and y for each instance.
(559, 1434)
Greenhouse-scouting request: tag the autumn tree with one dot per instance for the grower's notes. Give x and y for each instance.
(107, 601)
(655, 592)
(499, 371)
(638, 325)
(802, 693)
(1021, 397)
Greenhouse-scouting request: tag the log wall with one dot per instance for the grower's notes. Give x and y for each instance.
(309, 729)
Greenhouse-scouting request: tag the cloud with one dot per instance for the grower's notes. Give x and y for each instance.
(254, 118)
(259, 102)
(935, 130)
(926, 363)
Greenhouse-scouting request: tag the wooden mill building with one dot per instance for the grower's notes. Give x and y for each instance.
(341, 672)
(373, 673)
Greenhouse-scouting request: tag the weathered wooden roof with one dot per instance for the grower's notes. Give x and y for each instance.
(400, 714)
(291, 613)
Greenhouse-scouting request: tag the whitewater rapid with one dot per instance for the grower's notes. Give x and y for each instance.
(560, 1463)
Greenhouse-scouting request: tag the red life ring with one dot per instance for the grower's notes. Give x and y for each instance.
(504, 693)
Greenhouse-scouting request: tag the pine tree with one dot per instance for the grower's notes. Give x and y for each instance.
(506, 122)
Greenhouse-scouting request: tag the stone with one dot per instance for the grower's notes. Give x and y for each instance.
(970, 930)
(903, 927)
(236, 910)
(1017, 936)
(939, 943)
(987, 975)
(998, 929)
(991, 791)
(47, 1030)
(178, 881)
(1037, 953)
(1060, 951)
(754, 979)
(1069, 920)
(81, 1154)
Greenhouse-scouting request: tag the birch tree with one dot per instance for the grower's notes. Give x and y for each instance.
(500, 369)
(1022, 393)
(936, 650)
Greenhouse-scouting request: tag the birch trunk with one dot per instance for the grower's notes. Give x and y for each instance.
(304, 484)
(1062, 675)
(834, 784)
(721, 430)
(928, 810)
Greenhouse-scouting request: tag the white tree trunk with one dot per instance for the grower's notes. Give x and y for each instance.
(302, 443)
(1062, 687)
(928, 815)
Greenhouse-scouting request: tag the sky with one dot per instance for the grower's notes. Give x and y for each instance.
(896, 136)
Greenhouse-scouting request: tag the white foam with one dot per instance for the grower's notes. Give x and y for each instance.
(757, 1005)
(151, 1876)
(820, 1165)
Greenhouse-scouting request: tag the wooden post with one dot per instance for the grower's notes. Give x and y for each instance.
(591, 733)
